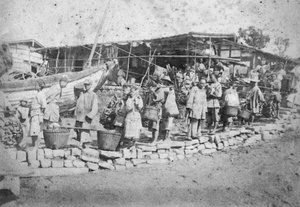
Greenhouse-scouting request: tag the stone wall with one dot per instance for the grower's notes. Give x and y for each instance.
(48, 162)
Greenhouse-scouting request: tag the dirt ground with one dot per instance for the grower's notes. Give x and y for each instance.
(266, 174)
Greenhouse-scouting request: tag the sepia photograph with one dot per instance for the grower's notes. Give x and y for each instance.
(172, 103)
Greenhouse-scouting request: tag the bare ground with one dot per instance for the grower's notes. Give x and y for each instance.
(267, 174)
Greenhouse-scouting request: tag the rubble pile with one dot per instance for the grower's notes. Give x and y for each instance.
(10, 131)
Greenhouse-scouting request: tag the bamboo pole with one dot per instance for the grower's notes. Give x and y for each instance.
(128, 62)
(56, 62)
(65, 61)
(150, 60)
(97, 35)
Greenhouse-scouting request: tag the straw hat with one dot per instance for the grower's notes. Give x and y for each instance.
(167, 78)
(87, 82)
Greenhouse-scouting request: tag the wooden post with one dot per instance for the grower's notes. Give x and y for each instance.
(187, 51)
(209, 56)
(128, 62)
(65, 60)
(56, 62)
(97, 35)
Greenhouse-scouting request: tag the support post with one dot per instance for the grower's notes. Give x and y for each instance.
(128, 61)
(56, 62)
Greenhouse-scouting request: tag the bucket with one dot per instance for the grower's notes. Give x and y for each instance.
(108, 139)
(231, 111)
(245, 114)
(56, 138)
(151, 113)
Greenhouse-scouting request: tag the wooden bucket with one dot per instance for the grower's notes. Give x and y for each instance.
(151, 113)
(245, 114)
(56, 138)
(108, 139)
(232, 111)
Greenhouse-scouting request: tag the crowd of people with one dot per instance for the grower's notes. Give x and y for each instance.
(211, 93)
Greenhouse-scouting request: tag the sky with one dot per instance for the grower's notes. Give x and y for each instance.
(74, 22)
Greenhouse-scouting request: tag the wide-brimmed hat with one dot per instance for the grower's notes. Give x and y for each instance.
(167, 78)
(87, 82)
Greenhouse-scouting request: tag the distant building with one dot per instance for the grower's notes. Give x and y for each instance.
(24, 57)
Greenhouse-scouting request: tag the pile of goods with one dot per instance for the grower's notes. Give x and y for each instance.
(10, 131)
(108, 115)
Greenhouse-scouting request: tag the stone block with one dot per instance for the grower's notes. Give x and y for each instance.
(225, 143)
(110, 161)
(233, 133)
(68, 163)
(120, 161)
(190, 147)
(89, 159)
(91, 152)
(147, 148)
(34, 163)
(75, 152)
(12, 153)
(208, 145)
(207, 151)
(110, 154)
(67, 153)
(139, 153)
(137, 161)
(154, 156)
(106, 165)
(212, 138)
(59, 153)
(78, 163)
(220, 146)
(172, 153)
(201, 147)
(48, 153)
(126, 153)
(217, 140)
(230, 142)
(165, 145)
(134, 153)
(163, 155)
(177, 144)
(31, 155)
(21, 156)
(129, 164)
(57, 163)
(180, 157)
(161, 151)
(40, 154)
(203, 139)
(11, 183)
(179, 151)
(120, 167)
(92, 166)
(189, 155)
(45, 163)
(233, 147)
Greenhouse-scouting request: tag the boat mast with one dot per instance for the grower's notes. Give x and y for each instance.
(97, 36)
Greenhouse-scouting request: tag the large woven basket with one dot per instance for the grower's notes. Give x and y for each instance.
(151, 113)
(108, 139)
(232, 111)
(56, 138)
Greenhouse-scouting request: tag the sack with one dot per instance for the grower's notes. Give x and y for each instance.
(170, 106)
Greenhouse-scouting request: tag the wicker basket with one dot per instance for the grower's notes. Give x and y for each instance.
(232, 111)
(56, 138)
(108, 139)
(151, 113)
(245, 114)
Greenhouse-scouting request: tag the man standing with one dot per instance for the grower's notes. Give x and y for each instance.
(38, 106)
(196, 109)
(85, 111)
(213, 105)
(231, 99)
(255, 97)
(53, 95)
